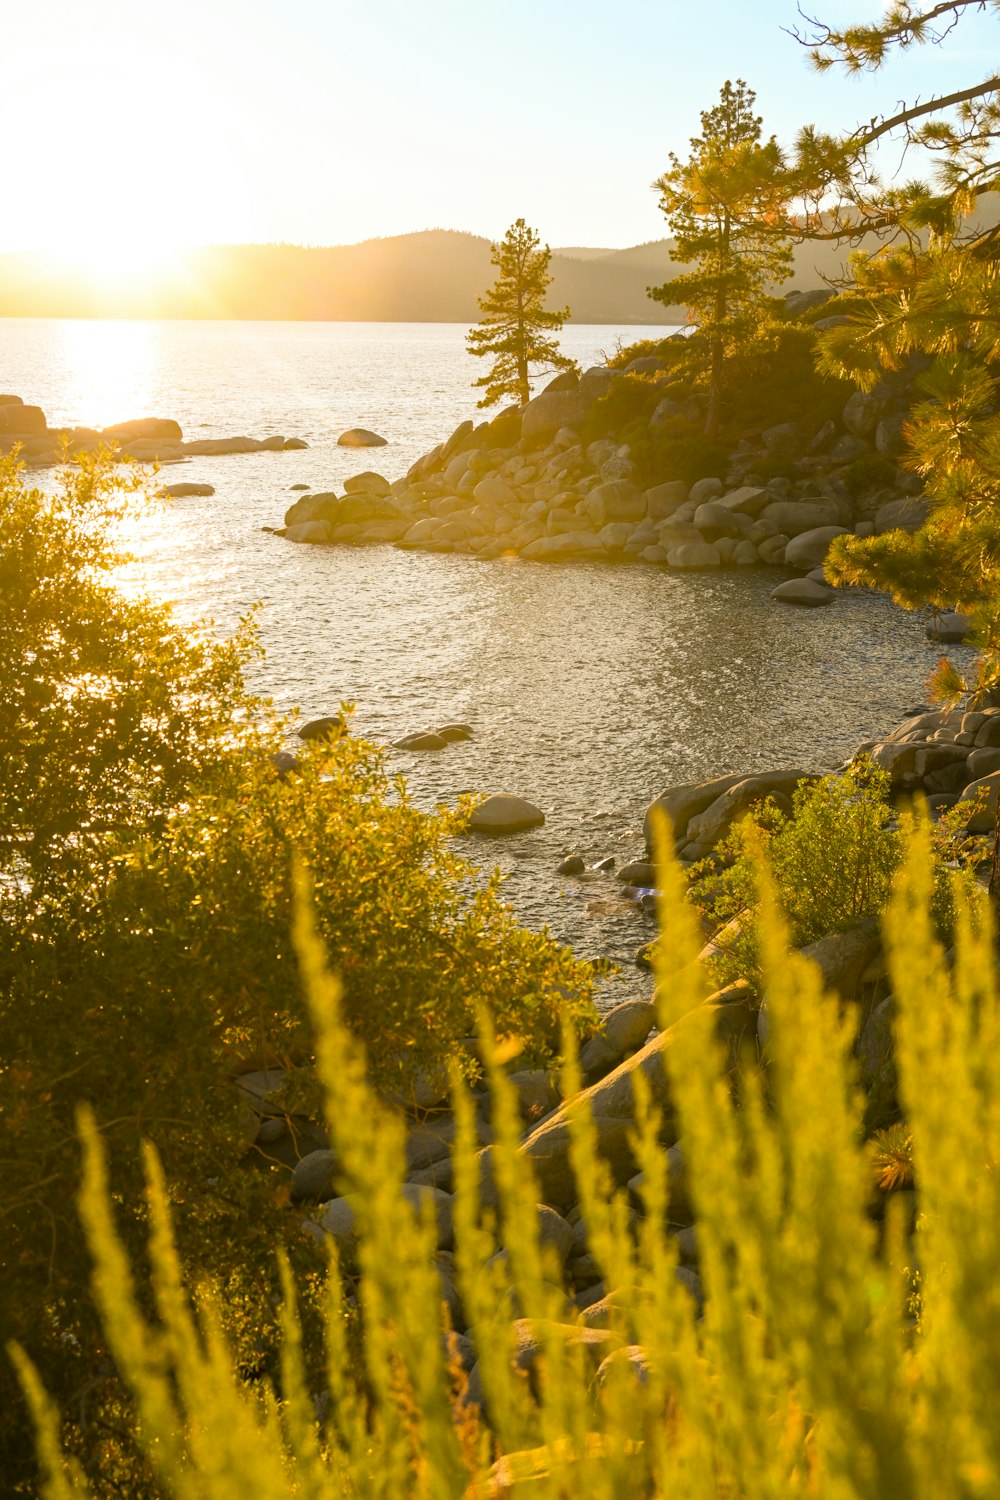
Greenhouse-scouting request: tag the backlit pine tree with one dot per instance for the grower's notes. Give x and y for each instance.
(515, 330)
(726, 206)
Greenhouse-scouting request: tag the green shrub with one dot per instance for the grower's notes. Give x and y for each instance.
(144, 930)
(806, 1374)
(832, 862)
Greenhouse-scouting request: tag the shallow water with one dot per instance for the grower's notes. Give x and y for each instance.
(590, 688)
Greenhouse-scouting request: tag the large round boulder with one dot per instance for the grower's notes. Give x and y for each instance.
(360, 437)
(694, 556)
(143, 427)
(803, 591)
(550, 411)
(15, 417)
(810, 548)
(503, 814)
(368, 483)
(793, 517)
(615, 500)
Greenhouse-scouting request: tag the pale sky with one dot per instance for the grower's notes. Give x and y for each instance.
(329, 121)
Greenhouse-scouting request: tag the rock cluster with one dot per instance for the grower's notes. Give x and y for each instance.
(146, 439)
(528, 483)
(952, 755)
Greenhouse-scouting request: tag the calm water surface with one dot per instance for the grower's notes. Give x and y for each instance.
(590, 688)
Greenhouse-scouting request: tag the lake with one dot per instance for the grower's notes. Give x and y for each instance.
(590, 688)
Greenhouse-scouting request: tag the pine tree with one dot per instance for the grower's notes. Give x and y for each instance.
(726, 206)
(958, 132)
(515, 325)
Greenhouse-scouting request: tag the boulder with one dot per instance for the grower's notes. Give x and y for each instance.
(843, 957)
(708, 827)
(715, 520)
(987, 788)
(329, 727)
(316, 532)
(623, 1030)
(360, 437)
(505, 428)
(707, 489)
(906, 514)
(681, 803)
(615, 500)
(502, 814)
(493, 491)
(143, 427)
(772, 550)
(863, 412)
(809, 548)
(424, 739)
(663, 499)
(781, 437)
(803, 591)
(950, 628)
(368, 483)
(558, 548)
(694, 556)
(793, 517)
(646, 364)
(183, 490)
(313, 1176)
(551, 410)
(19, 419)
(749, 499)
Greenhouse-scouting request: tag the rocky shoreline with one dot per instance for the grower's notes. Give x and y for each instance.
(528, 483)
(158, 440)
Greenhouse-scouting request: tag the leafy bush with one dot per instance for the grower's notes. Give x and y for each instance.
(832, 862)
(145, 920)
(806, 1374)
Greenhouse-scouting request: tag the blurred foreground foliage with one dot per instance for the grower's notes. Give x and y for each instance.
(845, 1348)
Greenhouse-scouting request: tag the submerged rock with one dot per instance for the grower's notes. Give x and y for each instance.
(183, 490)
(360, 437)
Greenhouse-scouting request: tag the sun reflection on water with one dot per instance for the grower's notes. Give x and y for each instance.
(107, 371)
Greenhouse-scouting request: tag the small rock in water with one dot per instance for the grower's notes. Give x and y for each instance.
(805, 592)
(605, 865)
(331, 727)
(424, 739)
(360, 437)
(503, 814)
(950, 629)
(573, 864)
(285, 763)
(181, 491)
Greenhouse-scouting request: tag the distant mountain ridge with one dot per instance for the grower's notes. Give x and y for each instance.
(434, 275)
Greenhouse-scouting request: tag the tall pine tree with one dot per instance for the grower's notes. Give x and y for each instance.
(726, 206)
(516, 326)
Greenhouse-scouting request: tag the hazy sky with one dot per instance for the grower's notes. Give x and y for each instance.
(327, 121)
